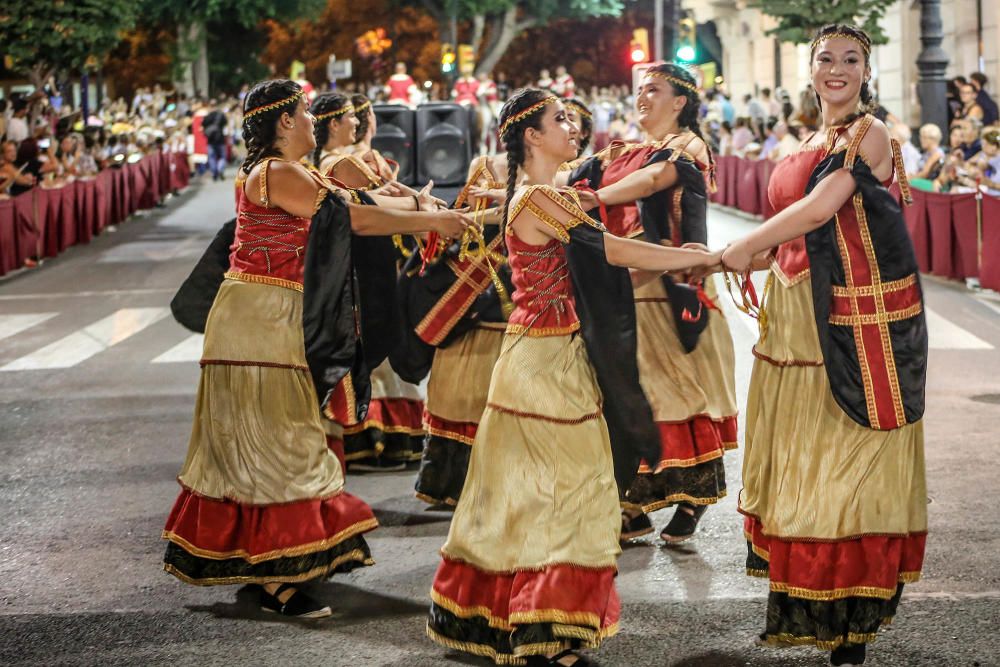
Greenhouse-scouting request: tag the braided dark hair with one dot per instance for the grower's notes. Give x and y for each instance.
(357, 99)
(586, 123)
(323, 104)
(867, 102)
(688, 118)
(260, 130)
(513, 137)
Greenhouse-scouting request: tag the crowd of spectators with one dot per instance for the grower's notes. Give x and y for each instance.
(46, 141)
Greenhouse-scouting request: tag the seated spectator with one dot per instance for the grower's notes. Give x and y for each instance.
(10, 174)
(17, 126)
(67, 156)
(911, 155)
(31, 162)
(725, 138)
(990, 112)
(788, 142)
(970, 108)
(965, 137)
(932, 157)
(984, 168)
(770, 138)
(742, 135)
(808, 115)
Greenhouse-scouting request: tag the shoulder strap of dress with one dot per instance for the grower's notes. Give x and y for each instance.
(900, 169)
(577, 214)
(264, 164)
(855, 145)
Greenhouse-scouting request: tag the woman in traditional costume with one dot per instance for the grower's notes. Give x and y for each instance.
(387, 170)
(464, 320)
(834, 496)
(391, 434)
(262, 499)
(657, 191)
(527, 573)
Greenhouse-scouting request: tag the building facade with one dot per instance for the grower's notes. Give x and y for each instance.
(752, 60)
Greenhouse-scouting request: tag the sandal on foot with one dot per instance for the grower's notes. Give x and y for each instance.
(683, 524)
(299, 605)
(634, 527)
(848, 655)
(543, 661)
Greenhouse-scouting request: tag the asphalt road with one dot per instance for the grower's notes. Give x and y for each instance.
(97, 387)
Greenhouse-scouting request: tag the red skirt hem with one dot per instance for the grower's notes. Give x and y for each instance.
(464, 432)
(697, 440)
(392, 415)
(862, 566)
(557, 593)
(223, 529)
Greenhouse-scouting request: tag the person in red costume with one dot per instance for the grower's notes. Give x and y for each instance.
(262, 496)
(834, 492)
(400, 87)
(563, 86)
(466, 90)
(527, 573)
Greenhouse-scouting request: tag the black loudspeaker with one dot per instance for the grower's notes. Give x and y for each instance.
(443, 146)
(394, 138)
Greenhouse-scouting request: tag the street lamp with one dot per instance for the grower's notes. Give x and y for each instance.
(932, 88)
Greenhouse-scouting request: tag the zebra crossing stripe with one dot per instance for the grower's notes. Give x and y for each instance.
(85, 343)
(188, 349)
(11, 325)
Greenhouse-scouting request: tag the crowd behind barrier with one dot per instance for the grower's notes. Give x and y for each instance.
(43, 222)
(954, 235)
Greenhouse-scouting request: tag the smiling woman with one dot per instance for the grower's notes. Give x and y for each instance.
(834, 495)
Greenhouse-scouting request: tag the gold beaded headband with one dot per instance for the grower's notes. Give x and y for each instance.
(583, 111)
(274, 105)
(674, 80)
(518, 117)
(347, 108)
(361, 107)
(840, 35)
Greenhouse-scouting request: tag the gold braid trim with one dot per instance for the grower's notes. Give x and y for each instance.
(273, 105)
(786, 639)
(356, 555)
(840, 35)
(263, 280)
(901, 178)
(385, 428)
(301, 550)
(361, 107)
(518, 117)
(674, 80)
(582, 110)
(347, 108)
(833, 594)
(675, 498)
(470, 612)
(481, 650)
(436, 501)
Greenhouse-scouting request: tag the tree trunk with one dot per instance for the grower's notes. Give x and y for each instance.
(192, 56)
(39, 75)
(503, 31)
(478, 27)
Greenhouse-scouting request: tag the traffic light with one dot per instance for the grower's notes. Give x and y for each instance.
(638, 49)
(447, 58)
(687, 51)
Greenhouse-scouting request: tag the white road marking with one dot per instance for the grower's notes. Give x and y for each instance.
(76, 295)
(188, 349)
(15, 324)
(85, 343)
(946, 335)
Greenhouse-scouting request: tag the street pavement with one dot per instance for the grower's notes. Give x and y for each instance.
(97, 388)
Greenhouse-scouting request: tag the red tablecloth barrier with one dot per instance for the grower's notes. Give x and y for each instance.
(747, 190)
(943, 227)
(8, 237)
(46, 221)
(989, 275)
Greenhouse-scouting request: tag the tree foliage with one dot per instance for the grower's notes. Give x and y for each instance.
(798, 20)
(246, 13)
(496, 23)
(62, 35)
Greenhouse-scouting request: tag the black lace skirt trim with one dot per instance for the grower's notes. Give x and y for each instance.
(373, 447)
(342, 557)
(443, 468)
(826, 624)
(700, 484)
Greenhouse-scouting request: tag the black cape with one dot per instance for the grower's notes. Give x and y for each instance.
(896, 260)
(348, 319)
(603, 296)
(654, 214)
